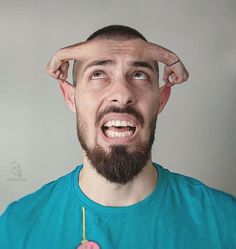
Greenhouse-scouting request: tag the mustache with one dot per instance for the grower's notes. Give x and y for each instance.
(114, 109)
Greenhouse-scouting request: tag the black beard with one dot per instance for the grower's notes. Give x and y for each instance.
(118, 165)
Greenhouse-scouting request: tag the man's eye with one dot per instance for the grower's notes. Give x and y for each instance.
(98, 75)
(140, 76)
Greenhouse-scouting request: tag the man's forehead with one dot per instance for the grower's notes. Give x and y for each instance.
(114, 50)
(108, 52)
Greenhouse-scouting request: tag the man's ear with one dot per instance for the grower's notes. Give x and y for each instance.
(68, 91)
(164, 96)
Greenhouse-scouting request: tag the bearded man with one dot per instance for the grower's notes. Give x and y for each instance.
(118, 197)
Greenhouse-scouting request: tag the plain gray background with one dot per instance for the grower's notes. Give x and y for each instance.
(195, 134)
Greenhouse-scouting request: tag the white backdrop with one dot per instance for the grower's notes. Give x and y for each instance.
(196, 131)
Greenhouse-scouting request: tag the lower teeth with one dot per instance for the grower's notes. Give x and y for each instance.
(118, 134)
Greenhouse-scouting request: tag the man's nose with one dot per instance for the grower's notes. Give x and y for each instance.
(122, 94)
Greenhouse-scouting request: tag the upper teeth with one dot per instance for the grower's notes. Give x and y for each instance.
(117, 123)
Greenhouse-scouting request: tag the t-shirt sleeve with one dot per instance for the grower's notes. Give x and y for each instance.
(4, 229)
(225, 211)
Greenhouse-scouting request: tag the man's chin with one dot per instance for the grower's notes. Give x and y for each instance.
(117, 148)
(117, 164)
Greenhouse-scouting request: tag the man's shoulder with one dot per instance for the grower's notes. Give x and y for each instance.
(208, 212)
(32, 212)
(43, 197)
(197, 191)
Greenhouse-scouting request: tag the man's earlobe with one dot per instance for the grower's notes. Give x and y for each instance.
(164, 97)
(68, 92)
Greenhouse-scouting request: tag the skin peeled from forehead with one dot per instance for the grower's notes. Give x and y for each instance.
(59, 64)
(103, 49)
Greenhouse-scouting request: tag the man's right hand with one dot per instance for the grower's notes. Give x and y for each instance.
(58, 66)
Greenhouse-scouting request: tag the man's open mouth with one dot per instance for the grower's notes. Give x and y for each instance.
(118, 129)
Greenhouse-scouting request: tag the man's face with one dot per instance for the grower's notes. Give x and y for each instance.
(117, 97)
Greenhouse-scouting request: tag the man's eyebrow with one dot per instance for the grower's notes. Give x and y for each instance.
(142, 64)
(98, 63)
(110, 62)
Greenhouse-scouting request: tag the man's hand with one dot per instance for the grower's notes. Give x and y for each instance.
(58, 66)
(174, 70)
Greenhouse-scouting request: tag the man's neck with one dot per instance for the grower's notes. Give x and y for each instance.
(98, 189)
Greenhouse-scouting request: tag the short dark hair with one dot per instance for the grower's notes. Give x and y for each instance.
(119, 32)
(114, 32)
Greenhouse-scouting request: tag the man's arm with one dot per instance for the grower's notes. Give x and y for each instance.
(174, 69)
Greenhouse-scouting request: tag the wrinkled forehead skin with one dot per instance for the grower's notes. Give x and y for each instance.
(117, 50)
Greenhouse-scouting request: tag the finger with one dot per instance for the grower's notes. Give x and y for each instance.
(173, 79)
(53, 67)
(57, 74)
(166, 80)
(166, 75)
(64, 70)
(180, 79)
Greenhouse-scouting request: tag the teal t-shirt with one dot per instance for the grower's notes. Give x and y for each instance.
(181, 213)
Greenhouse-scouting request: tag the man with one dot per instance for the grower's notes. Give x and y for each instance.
(118, 198)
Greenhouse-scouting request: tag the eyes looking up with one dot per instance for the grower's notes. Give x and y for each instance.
(137, 75)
